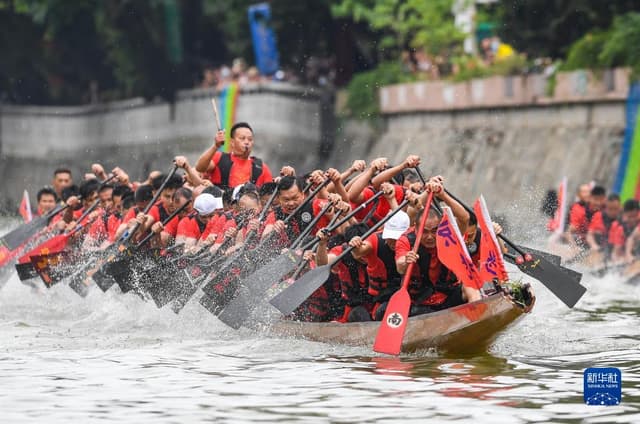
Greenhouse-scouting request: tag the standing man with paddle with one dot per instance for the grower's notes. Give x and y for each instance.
(238, 166)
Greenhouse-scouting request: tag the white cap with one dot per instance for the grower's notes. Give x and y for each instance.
(396, 226)
(206, 204)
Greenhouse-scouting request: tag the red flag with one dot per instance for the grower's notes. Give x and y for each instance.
(453, 253)
(556, 224)
(25, 208)
(53, 245)
(491, 260)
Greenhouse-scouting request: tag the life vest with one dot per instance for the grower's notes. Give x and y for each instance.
(194, 221)
(162, 212)
(354, 281)
(296, 224)
(385, 279)
(422, 291)
(225, 164)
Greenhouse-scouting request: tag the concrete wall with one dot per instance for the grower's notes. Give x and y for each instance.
(501, 91)
(512, 155)
(141, 136)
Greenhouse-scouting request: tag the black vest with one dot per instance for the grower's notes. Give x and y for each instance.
(225, 164)
(388, 258)
(423, 289)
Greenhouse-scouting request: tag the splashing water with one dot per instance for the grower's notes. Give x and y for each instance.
(113, 357)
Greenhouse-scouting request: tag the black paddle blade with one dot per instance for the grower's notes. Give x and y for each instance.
(26, 271)
(210, 304)
(554, 259)
(188, 290)
(253, 288)
(168, 283)
(80, 286)
(294, 295)
(103, 279)
(568, 290)
(15, 238)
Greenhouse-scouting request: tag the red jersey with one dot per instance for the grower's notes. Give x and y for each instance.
(191, 227)
(104, 227)
(239, 173)
(383, 208)
(580, 216)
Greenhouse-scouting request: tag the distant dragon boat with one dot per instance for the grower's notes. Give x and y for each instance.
(467, 328)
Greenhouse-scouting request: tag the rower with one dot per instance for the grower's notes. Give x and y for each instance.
(625, 235)
(433, 287)
(104, 195)
(62, 179)
(47, 199)
(352, 274)
(88, 192)
(600, 225)
(161, 210)
(581, 213)
(378, 252)
(169, 231)
(142, 197)
(193, 227)
(107, 224)
(238, 166)
(290, 196)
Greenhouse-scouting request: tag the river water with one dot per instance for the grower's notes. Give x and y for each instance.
(111, 357)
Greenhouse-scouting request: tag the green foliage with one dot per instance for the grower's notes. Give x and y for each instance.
(585, 52)
(470, 67)
(467, 68)
(548, 28)
(618, 46)
(363, 100)
(622, 48)
(406, 23)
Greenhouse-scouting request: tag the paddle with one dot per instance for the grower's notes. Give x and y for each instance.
(266, 276)
(560, 281)
(240, 308)
(393, 325)
(52, 265)
(18, 236)
(181, 294)
(252, 289)
(123, 274)
(116, 252)
(50, 247)
(260, 255)
(293, 296)
(15, 238)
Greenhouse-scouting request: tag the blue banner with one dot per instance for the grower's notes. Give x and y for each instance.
(264, 39)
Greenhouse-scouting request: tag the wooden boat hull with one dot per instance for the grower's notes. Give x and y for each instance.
(466, 328)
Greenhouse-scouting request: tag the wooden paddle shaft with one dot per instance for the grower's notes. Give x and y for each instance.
(416, 245)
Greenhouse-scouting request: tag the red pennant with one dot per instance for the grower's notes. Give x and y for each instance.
(556, 224)
(25, 208)
(53, 245)
(453, 253)
(491, 260)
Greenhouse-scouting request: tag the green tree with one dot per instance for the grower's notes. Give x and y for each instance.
(549, 27)
(406, 23)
